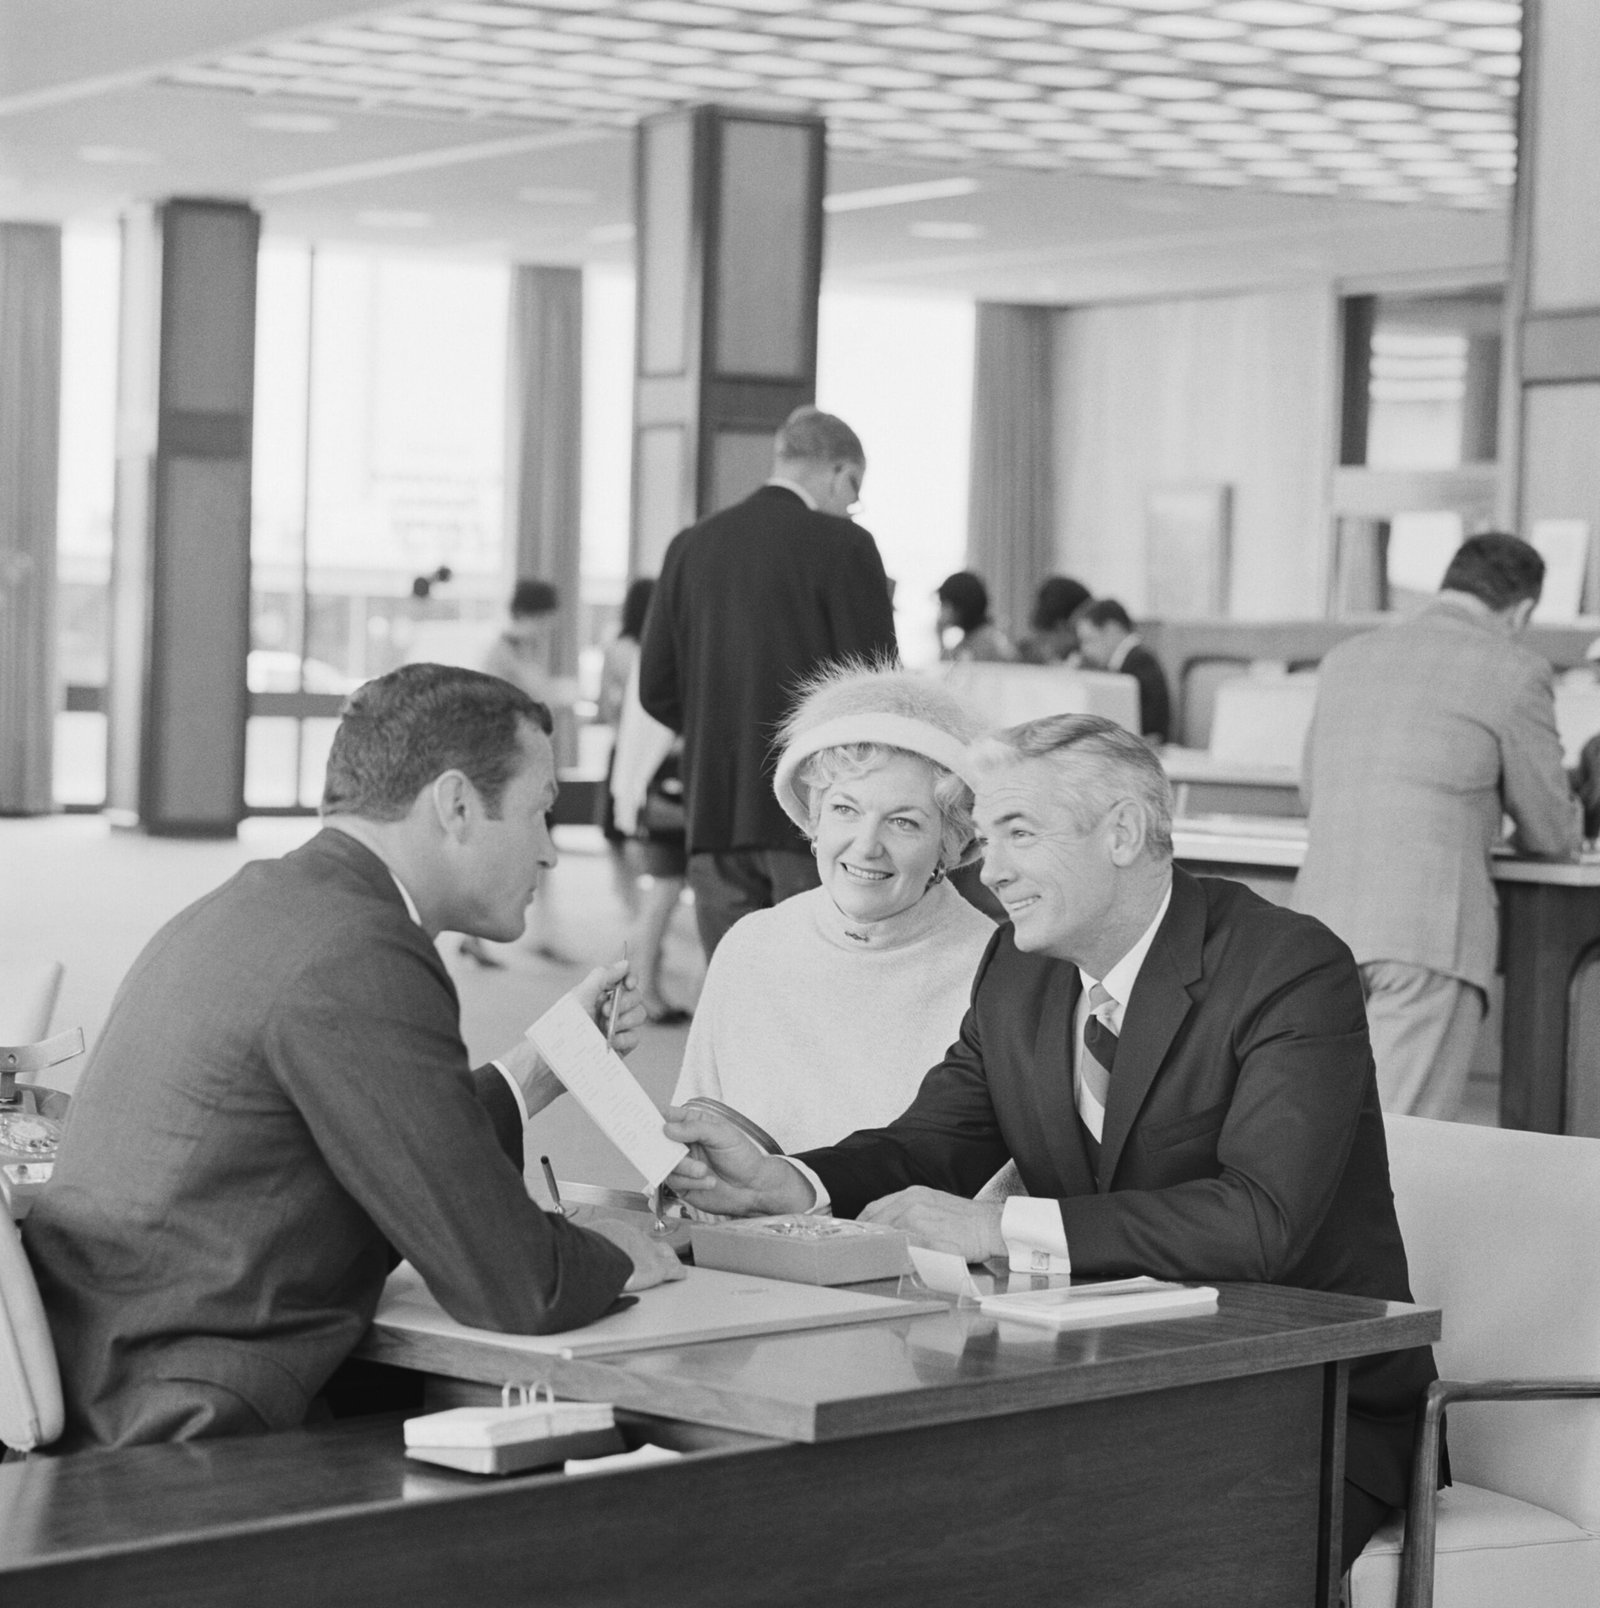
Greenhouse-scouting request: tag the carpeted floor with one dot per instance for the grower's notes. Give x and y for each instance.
(74, 890)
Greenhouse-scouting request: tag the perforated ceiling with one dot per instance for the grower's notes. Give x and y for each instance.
(1393, 100)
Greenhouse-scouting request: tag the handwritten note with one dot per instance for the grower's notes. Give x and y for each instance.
(576, 1052)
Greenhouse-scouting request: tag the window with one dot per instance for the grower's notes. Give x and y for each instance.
(378, 498)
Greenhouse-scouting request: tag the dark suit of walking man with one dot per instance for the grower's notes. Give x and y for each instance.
(280, 1105)
(750, 601)
(1179, 1070)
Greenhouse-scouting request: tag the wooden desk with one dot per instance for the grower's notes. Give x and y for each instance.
(953, 1461)
(1549, 932)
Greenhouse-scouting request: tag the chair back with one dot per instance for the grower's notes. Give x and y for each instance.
(28, 990)
(1502, 1232)
(30, 1384)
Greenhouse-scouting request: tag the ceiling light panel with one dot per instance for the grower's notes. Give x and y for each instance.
(1200, 88)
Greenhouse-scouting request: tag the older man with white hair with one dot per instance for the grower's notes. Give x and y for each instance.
(1179, 1070)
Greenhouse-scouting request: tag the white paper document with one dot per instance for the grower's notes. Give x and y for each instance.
(595, 1076)
(945, 1272)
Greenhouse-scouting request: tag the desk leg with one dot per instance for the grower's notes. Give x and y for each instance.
(1545, 929)
(1330, 1508)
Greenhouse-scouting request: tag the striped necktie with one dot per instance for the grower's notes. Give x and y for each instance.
(1099, 1058)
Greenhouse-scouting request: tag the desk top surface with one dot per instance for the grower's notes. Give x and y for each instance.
(949, 1366)
(940, 1367)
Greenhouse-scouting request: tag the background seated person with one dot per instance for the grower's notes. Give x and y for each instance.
(281, 1105)
(1180, 1069)
(1055, 638)
(1109, 642)
(964, 607)
(820, 1015)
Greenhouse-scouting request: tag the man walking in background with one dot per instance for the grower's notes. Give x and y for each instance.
(750, 601)
(1425, 734)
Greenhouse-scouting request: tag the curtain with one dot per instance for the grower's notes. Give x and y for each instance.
(30, 408)
(1011, 501)
(544, 408)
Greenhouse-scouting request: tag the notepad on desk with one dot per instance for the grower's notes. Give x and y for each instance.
(512, 1439)
(1117, 1301)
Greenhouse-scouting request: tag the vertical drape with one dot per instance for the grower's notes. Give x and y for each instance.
(30, 420)
(1358, 580)
(544, 407)
(1011, 501)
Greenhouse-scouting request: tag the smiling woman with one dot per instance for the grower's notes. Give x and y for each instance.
(820, 1015)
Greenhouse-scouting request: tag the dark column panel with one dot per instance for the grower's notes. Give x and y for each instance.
(729, 236)
(181, 569)
(30, 414)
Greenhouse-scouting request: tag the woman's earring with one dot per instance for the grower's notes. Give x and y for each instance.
(937, 877)
(813, 848)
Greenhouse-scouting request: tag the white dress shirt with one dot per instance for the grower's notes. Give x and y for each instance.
(500, 1067)
(1120, 653)
(1035, 1236)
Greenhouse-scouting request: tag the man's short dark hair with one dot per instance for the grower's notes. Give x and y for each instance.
(1497, 569)
(809, 435)
(534, 597)
(1107, 611)
(968, 598)
(400, 731)
(1059, 597)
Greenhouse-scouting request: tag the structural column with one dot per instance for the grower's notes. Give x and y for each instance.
(1553, 388)
(180, 578)
(1011, 499)
(729, 213)
(30, 417)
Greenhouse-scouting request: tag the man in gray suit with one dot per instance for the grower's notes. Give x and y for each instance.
(1425, 734)
(281, 1105)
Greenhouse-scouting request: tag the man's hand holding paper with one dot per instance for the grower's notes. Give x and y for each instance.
(727, 1174)
(532, 1073)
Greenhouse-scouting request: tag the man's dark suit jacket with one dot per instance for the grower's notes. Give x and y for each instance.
(1155, 704)
(1242, 1140)
(749, 602)
(279, 1106)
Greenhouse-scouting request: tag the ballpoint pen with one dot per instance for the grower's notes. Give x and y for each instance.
(616, 995)
(551, 1185)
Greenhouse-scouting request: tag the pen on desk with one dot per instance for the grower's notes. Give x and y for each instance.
(550, 1181)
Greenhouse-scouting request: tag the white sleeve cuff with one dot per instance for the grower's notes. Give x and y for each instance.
(819, 1207)
(1035, 1236)
(516, 1089)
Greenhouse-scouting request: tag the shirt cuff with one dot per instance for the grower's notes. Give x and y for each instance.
(516, 1090)
(1035, 1236)
(819, 1208)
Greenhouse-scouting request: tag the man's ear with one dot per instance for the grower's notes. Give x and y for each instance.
(1518, 615)
(1127, 832)
(455, 803)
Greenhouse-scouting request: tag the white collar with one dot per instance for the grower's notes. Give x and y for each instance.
(799, 490)
(1119, 980)
(1122, 650)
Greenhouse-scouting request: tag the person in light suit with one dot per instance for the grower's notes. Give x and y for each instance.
(1179, 1070)
(1425, 734)
(280, 1105)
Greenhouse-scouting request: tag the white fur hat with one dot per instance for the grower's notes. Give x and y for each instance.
(854, 702)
